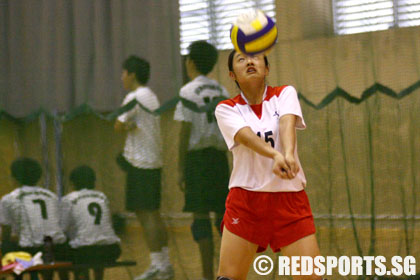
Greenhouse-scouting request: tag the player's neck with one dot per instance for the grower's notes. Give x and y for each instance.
(135, 86)
(253, 92)
(194, 74)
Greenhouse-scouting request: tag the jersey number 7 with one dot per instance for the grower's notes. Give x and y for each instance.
(43, 208)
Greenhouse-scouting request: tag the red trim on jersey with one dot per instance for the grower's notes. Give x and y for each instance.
(276, 91)
(233, 101)
(257, 108)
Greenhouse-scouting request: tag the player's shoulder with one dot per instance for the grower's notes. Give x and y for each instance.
(189, 88)
(37, 190)
(232, 102)
(278, 91)
(11, 195)
(147, 97)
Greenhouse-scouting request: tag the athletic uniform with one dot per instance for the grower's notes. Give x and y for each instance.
(33, 213)
(262, 207)
(142, 157)
(206, 167)
(85, 218)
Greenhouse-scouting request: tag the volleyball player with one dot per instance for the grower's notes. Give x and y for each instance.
(267, 204)
(142, 162)
(30, 213)
(85, 218)
(203, 165)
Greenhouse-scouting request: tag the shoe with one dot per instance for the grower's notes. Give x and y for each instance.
(149, 274)
(166, 273)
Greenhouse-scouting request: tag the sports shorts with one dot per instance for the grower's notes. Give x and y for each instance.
(268, 218)
(143, 186)
(206, 176)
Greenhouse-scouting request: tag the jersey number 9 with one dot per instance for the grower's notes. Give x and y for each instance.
(95, 210)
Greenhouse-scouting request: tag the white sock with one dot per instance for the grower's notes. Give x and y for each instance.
(156, 259)
(165, 256)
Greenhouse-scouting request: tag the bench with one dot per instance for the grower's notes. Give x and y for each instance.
(65, 266)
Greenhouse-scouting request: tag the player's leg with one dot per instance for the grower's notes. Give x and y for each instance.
(147, 212)
(306, 246)
(294, 228)
(99, 273)
(236, 256)
(202, 234)
(154, 229)
(157, 241)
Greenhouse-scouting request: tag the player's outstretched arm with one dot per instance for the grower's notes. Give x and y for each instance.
(248, 138)
(288, 141)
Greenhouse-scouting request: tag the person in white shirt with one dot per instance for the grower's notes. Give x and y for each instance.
(30, 214)
(267, 204)
(142, 162)
(86, 220)
(203, 164)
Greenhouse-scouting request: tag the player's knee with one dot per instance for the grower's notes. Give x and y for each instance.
(223, 278)
(201, 229)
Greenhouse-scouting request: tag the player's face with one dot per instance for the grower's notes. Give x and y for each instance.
(247, 68)
(127, 79)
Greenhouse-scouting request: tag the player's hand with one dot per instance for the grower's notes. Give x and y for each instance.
(292, 164)
(128, 126)
(280, 167)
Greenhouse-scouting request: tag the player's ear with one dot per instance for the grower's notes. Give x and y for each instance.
(267, 70)
(232, 75)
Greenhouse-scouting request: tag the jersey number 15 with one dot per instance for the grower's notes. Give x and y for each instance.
(268, 137)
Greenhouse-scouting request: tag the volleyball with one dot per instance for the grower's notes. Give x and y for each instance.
(253, 32)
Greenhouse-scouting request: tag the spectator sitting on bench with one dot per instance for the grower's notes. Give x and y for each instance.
(29, 214)
(85, 218)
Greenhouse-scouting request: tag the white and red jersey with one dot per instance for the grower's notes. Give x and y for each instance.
(251, 170)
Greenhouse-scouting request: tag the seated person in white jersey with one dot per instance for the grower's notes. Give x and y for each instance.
(85, 218)
(203, 164)
(30, 213)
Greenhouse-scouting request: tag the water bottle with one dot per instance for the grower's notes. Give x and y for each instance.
(48, 250)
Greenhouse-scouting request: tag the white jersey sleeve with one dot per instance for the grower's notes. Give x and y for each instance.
(5, 216)
(288, 103)
(182, 113)
(230, 122)
(87, 220)
(129, 115)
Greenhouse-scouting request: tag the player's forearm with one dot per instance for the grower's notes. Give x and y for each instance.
(288, 134)
(248, 138)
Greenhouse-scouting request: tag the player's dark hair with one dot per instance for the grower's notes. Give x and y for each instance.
(26, 171)
(139, 66)
(83, 177)
(204, 56)
(230, 63)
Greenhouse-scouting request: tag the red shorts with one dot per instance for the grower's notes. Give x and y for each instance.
(268, 218)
